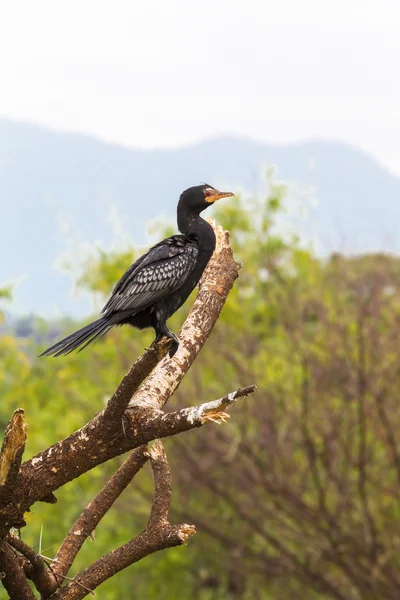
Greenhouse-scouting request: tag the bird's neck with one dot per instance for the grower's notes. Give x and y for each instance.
(195, 226)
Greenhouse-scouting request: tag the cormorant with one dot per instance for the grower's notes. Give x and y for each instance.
(160, 281)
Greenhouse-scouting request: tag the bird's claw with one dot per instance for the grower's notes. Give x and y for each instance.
(173, 347)
(171, 338)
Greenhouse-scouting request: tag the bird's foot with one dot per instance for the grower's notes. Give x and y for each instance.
(174, 341)
(173, 347)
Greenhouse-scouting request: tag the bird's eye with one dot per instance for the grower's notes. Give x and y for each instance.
(209, 192)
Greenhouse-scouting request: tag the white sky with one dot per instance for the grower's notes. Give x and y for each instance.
(166, 72)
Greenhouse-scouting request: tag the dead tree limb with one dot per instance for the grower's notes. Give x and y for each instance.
(36, 568)
(133, 379)
(12, 449)
(158, 535)
(13, 576)
(10, 461)
(162, 486)
(150, 421)
(166, 424)
(95, 511)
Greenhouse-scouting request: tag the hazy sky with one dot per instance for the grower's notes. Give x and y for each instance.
(167, 72)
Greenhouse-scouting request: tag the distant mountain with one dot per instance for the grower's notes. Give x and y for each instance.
(49, 178)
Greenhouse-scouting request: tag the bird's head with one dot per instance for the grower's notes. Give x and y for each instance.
(199, 197)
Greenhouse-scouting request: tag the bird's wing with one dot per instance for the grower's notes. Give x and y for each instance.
(156, 274)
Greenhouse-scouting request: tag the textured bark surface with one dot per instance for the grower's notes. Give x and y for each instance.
(12, 449)
(131, 420)
(35, 566)
(10, 460)
(13, 576)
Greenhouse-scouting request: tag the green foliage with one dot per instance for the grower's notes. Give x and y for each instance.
(298, 495)
(5, 293)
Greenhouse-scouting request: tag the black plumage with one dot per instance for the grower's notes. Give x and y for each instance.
(160, 281)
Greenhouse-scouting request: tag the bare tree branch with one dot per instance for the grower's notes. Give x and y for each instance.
(156, 423)
(12, 449)
(162, 486)
(166, 425)
(144, 544)
(213, 411)
(158, 535)
(14, 579)
(38, 571)
(133, 379)
(95, 511)
(10, 460)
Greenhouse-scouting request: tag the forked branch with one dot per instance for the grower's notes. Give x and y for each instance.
(158, 535)
(95, 511)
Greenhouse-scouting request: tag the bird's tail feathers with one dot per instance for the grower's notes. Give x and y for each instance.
(79, 339)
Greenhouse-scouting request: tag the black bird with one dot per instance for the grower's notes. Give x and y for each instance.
(160, 281)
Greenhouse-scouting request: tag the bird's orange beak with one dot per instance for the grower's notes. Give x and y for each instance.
(217, 196)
